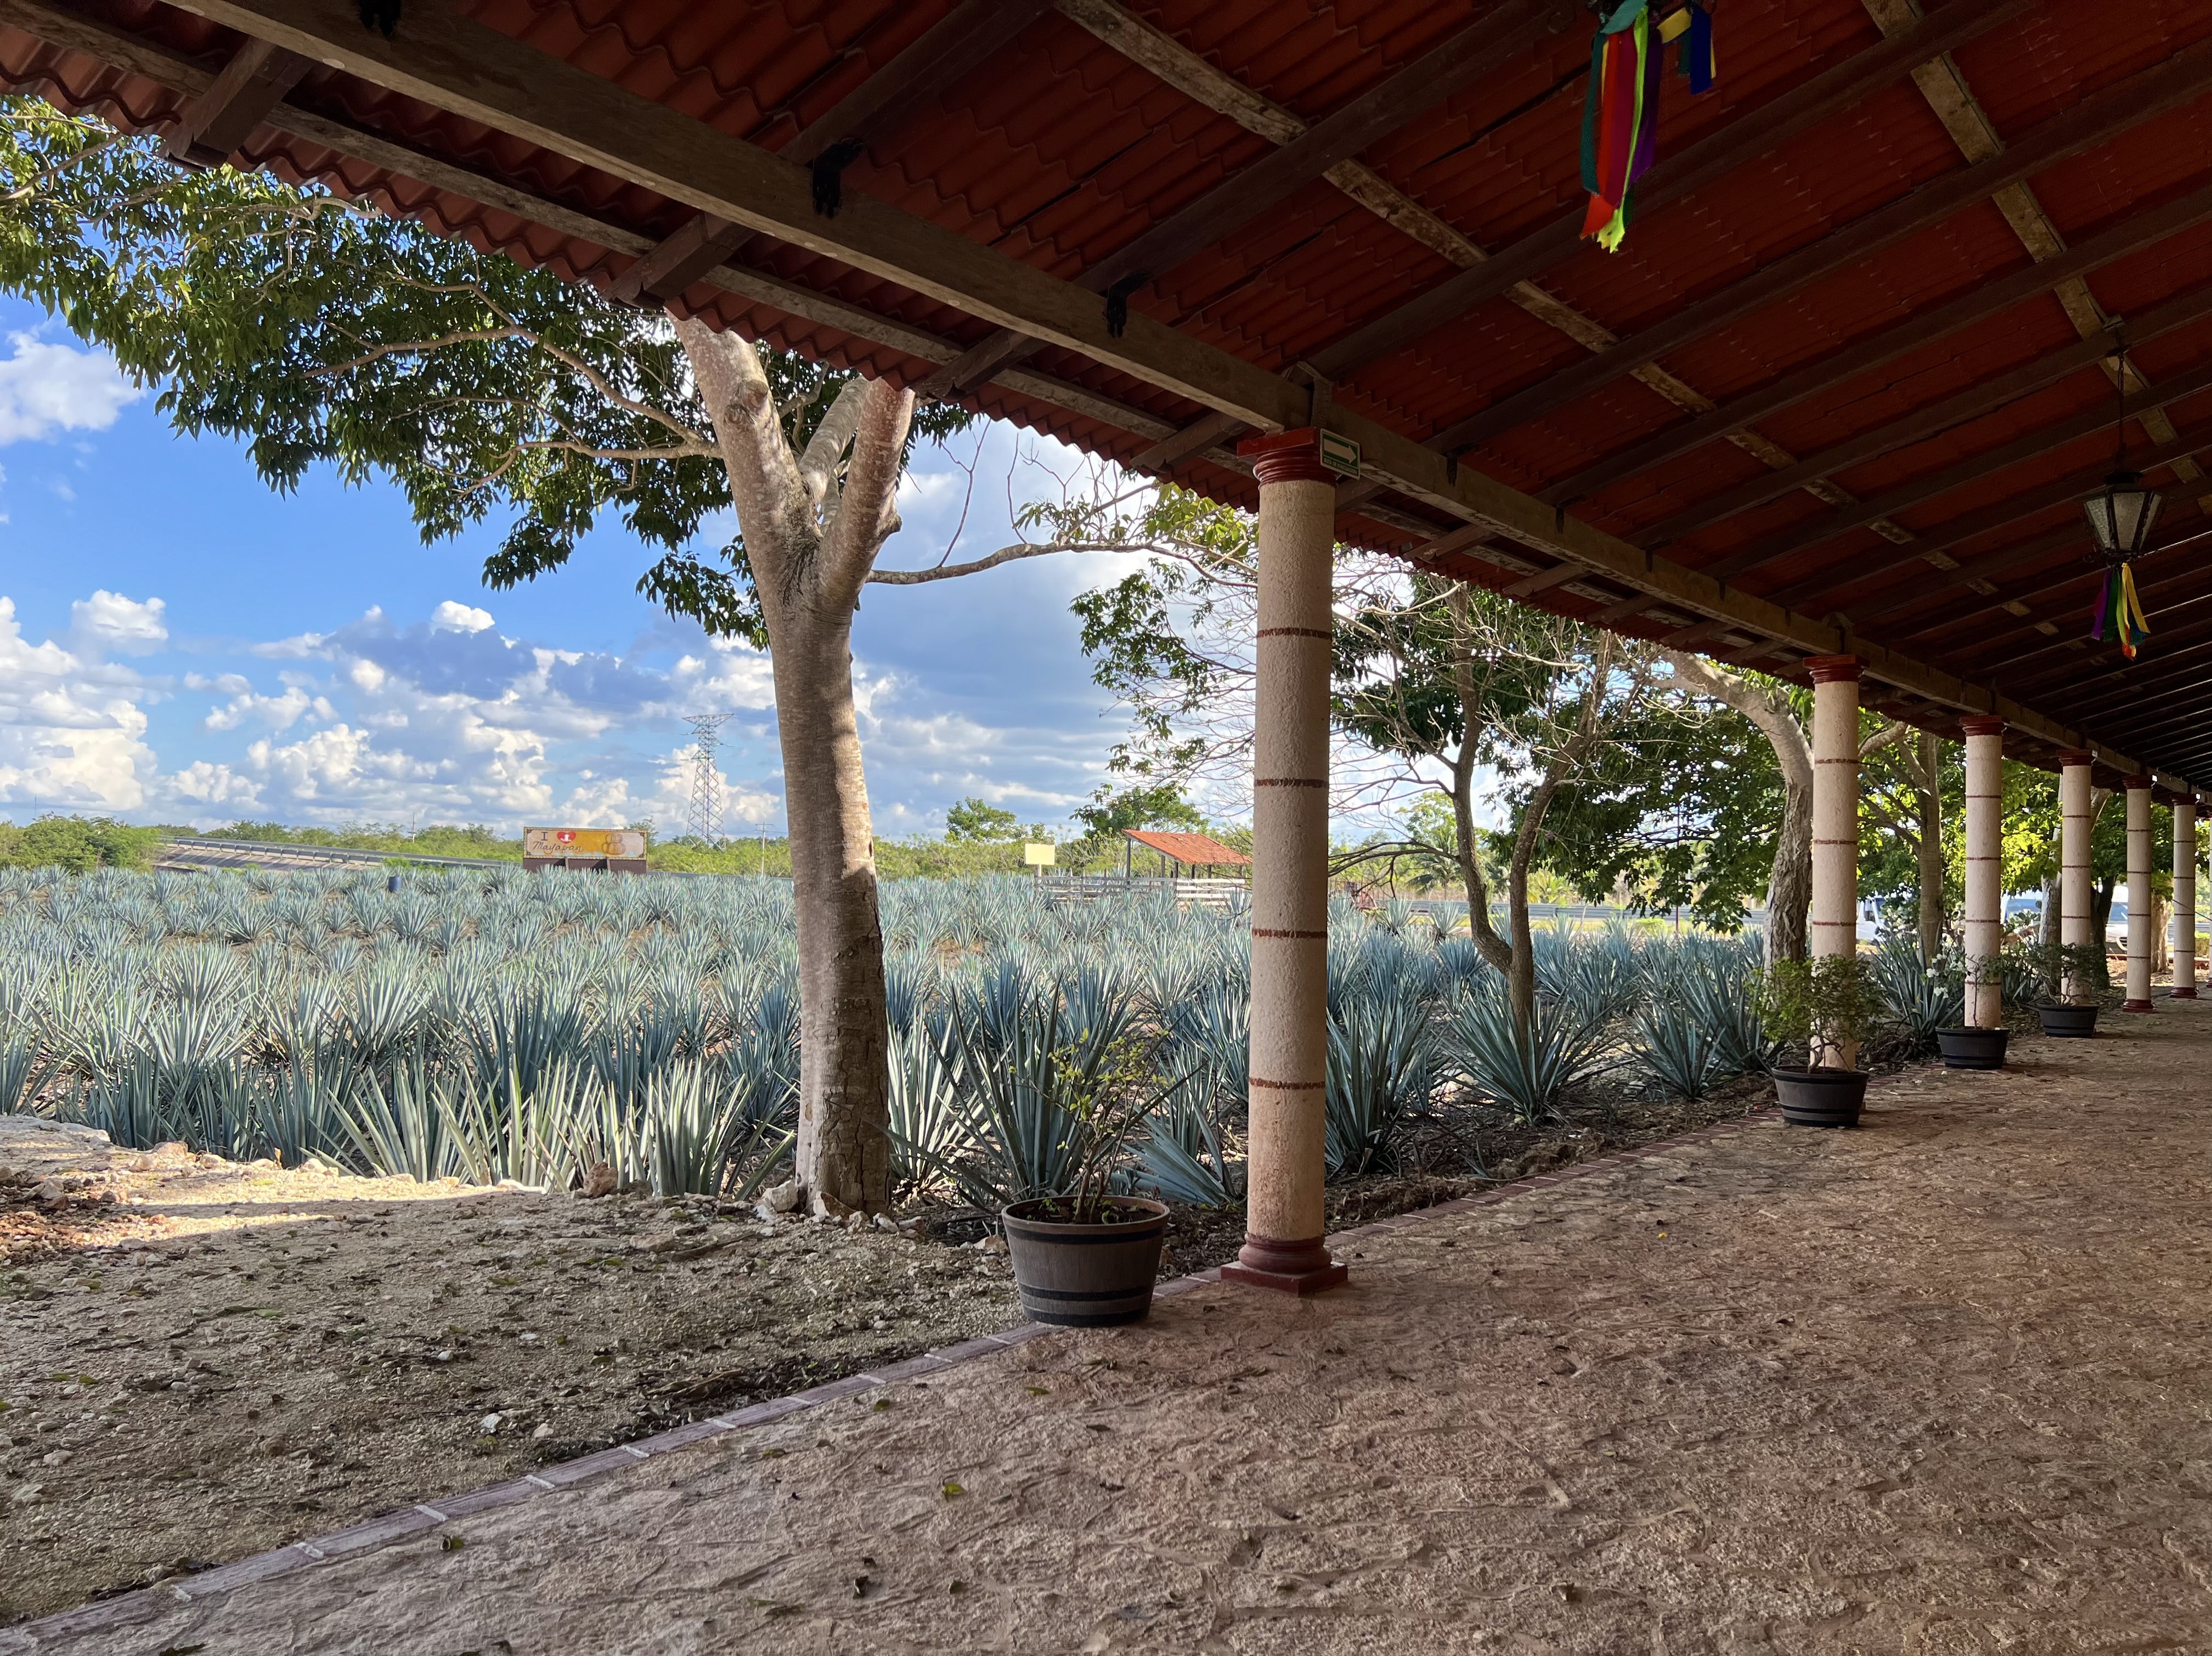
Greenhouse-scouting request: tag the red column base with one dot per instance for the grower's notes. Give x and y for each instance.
(2136, 1006)
(1285, 1267)
(2183, 994)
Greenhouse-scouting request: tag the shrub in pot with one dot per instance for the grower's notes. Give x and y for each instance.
(1969, 1046)
(1807, 1002)
(2059, 968)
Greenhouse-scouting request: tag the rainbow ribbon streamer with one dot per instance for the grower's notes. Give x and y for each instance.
(2122, 611)
(1620, 117)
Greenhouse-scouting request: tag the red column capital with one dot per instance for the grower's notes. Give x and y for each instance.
(1832, 669)
(2138, 783)
(1982, 725)
(1287, 457)
(2075, 755)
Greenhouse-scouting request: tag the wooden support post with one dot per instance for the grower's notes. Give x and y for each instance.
(2141, 906)
(2185, 897)
(1984, 871)
(2075, 927)
(1835, 908)
(1284, 1247)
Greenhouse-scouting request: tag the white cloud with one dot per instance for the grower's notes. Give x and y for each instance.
(109, 623)
(72, 730)
(450, 617)
(277, 712)
(45, 388)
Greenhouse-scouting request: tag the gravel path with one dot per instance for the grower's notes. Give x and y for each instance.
(1939, 1386)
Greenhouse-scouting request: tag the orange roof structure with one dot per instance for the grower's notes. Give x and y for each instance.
(1196, 850)
(1841, 392)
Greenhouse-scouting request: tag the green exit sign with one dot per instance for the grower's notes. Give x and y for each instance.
(1339, 455)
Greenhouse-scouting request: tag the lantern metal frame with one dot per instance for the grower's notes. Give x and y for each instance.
(2123, 499)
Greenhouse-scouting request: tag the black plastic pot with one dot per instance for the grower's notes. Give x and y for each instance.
(1821, 1097)
(1972, 1049)
(2068, 1022)
(1087, 1275)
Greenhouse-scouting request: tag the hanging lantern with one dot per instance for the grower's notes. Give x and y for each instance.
(2123, 515)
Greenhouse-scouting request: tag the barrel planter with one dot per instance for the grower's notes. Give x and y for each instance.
(1085, 1276)
(1971, 1049)
(1821, 1097)
(2068, 1022)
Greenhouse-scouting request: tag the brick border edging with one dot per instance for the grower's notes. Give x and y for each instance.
(142, 1603)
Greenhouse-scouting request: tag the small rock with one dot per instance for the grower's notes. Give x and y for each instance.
(312, 1166)
(544, 1431)
(26, 1495)
(885, 1222)
(208, 1158)
(856, 1221)
(782, 1198)
(489, 1424)
(172, 1147)
(525, 1339)
(59, 1458)
(993, 1245)
(51, 1193)
(599, 1180)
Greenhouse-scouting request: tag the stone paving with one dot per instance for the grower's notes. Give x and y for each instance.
(1938, 1385)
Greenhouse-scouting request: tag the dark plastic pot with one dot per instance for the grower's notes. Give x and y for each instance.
(1821, 1097)
(1972, 1049)
(1087, 1275)
(2068, 1022)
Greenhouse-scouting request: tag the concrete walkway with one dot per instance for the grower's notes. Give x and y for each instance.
(1939, 1385)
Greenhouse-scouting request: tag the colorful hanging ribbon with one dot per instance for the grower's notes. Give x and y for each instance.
(2121, 610)
(1620, 117)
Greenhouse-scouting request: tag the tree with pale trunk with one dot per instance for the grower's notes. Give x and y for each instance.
(323, 332)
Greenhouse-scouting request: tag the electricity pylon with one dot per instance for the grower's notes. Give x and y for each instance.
(706, 775)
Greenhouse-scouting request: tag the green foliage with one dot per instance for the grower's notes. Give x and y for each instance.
(1161, 805)
(78, 844)
(322, 331)
(1829, 997)
(972, 821)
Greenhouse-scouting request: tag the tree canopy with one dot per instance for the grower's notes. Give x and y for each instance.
(322, 332)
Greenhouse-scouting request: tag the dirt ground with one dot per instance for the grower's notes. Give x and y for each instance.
(1939, 1386)
(199, 1359)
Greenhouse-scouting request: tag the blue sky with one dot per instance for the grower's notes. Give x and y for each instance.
(178, 643)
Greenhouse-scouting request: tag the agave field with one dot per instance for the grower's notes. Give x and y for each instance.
(490, 1026)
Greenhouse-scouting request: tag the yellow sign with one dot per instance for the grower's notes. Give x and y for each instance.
(1040, 857)
(583, 841)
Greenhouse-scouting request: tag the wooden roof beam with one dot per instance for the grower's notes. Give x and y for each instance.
(957, 43)
(1752, 134)
(1462, 58)
(2180, 80)
(2089, 422)
(221, 118)
(450, 63)
(2026, 561)
(1978, 304)
(1935, 417)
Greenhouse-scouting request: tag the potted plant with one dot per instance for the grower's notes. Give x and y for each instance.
(2059, 967)
(1087, 1255)
(1969, 1046)
(1810, 1002)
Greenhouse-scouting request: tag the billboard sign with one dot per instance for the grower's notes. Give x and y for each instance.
(625, 842)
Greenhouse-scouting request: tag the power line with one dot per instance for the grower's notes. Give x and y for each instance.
(706, 775)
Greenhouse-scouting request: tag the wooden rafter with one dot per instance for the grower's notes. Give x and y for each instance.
(450, 63)
(1983, 302)
(238, 99)
(1933, 418)
(2126, 103)
(1972, 470)
(1749, 135)
(958, 42)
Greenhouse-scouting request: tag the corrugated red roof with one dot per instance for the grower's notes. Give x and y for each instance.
(1196, 850)
(1059, 149)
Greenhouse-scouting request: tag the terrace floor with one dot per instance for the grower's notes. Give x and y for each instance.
(1938, 1385)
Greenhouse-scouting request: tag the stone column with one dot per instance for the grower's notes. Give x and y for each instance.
(2185, 897)
(2141, 905)
(2075, 921)
(1835, 908)
(1984, 871)
(1284, 1217)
